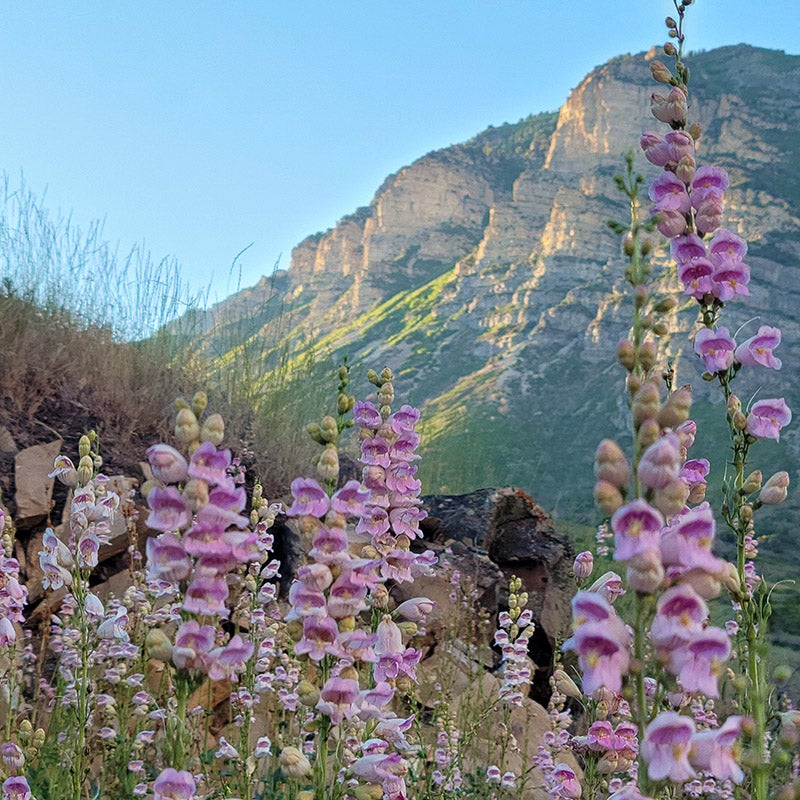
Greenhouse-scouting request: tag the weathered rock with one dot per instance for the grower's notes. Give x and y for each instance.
(7, 443)
(34, 489)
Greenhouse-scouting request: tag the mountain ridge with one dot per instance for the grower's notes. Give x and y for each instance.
(485, 276)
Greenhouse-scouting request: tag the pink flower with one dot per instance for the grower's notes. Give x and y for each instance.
(697, 277)
(686, 541)
(319, 638)
(660, 464)
(668, 192)
(166, 559)
(168, 509)
(564, 783)
(210, 464)
(347, 596)
(708, 213)
(404, 419)
(417, 609)
(228, 661)
(310, 499)
(637, 528)
(602, 655)
(680, 614)
(366, 415)
(672, 148)
(206, 594)
(338, 699)
(707, 181)
(350, 499)
(699, 663)
(329, 546)
(405, 520)
(193, 642)
(767, 417)
(712, 751)
(666, 747)
(174, 785)
(757, 350)
(16, 788)
(687, 248)
(375, 452)
(715, 348)
(167, 464)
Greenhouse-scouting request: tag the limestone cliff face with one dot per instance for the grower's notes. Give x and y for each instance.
(486, 277)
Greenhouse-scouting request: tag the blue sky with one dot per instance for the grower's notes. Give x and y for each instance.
(202, 127)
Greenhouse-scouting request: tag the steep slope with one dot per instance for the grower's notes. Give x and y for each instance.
(485, 276)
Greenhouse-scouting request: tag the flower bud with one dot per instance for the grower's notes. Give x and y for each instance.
(607, 497)
(676, 409)
(734, 404)
(739, 421)
(157, 645)
(583, 565)
(404, 684)
(610, 463)
(373, 378)
(343, 403)
(695, 130)
(648, 354)
(25, 731)
(564, 684)
(660, 328)
(633, 382)
(646, 403)
(387, 375)
(775, 489)
(666, 304)
(669, 49)
(672, 498)
(625, 354)
(685, 169)
(347, 624)
(328, 464)
(187, 429)
(195, 493)
(199, 403)
(329, 430)
(307, 693)
(659, 72)
(367, 791)
(294, 763)
(380, 597)
(408, 628)
(649, 433)
(85, 470)
(752, 483)
(84, 446)
(213, 430)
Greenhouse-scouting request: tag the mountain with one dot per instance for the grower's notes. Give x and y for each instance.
(485, 276)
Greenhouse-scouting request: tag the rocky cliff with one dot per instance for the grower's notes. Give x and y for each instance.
(485, 276)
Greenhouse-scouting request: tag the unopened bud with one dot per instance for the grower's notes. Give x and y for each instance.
(649, 433)
(628, 246)
(329, 430)
(315, 432)
(328, 464)
(367, 791)
(752, 483)
(213, 430)
(695, 130)
(640, 296)
(347, 624)
(775, 489)
(648, 354)
(739, 421)
(671, 499)
(294, 764)
(660, 73)
(665, 305)
(373, 378)
(583, 565)
(195, 493)
(343, 403)
(387, 375)
(610, 463)
(199, 403)
(633, 383)
(607, 497)
(307, 693)
(187, 429)
(85, 470)
(408, 628)
(25, 731)
(157, 645)
(380, 597)
(565, 685)
(660, 328)
(646, 403)
(685, 169)
(404, 684)
(625, 354)
(669, 49)
(84, 446)
(676, 409)
(671, 24)
(734, 404)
